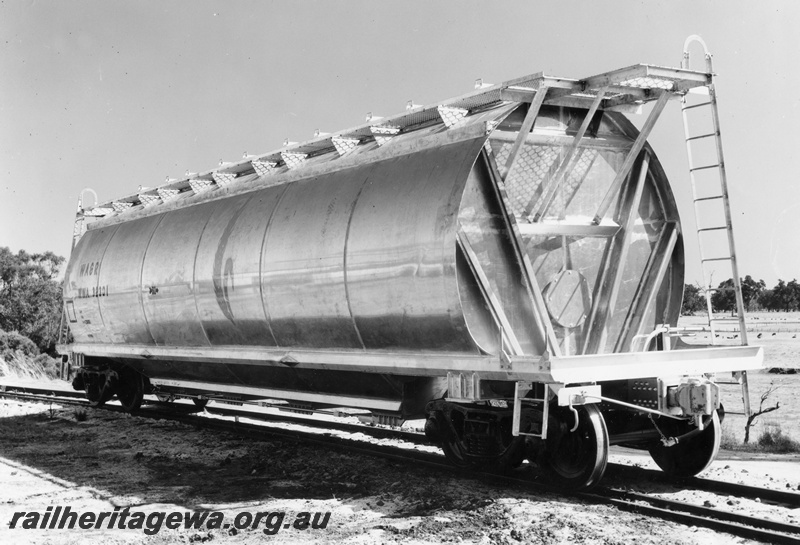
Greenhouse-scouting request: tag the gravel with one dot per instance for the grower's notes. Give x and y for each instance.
(49, 459)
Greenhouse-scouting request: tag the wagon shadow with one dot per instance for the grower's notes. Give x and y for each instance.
(130, 461)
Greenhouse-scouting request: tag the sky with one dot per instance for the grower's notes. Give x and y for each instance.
(112, 95)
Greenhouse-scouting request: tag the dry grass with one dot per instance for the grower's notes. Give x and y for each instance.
(773, 440)
(81, 415)
(729, 441)
(26, 367)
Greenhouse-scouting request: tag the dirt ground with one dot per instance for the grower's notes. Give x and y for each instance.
(111, 462)
(778, 333)
(115, 461)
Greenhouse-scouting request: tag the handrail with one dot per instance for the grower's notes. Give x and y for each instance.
(687, 43)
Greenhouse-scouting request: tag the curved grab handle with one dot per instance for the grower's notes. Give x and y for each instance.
(80, 197)
(687, 43)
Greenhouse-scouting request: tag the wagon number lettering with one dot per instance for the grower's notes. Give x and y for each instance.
(94, 291)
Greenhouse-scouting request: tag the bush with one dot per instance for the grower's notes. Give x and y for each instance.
(48, 365)
(12, 344)
(30, 296)
(772, 439)
(20, 357)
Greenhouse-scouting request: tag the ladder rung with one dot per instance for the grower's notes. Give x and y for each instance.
(705, 167)
(726, 288)
(712, 228)
(730, 384)
(697, 105)
(709, 198)
(701, 136)
(737, 414)
(717, 258)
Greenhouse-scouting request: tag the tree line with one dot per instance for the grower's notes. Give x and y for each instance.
(30, 301)
(784, 296)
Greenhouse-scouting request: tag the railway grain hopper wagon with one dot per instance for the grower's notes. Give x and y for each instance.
(507, 264)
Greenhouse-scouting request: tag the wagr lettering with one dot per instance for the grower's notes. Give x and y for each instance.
(89, 269)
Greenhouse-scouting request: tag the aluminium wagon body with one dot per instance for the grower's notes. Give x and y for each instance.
(507, 264)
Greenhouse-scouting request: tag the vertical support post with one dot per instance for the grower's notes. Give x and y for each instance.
(723, 181)
(741, 377)
(517, 414)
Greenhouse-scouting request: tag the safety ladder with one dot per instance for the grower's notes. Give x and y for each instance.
(711, 201)
(63, 329)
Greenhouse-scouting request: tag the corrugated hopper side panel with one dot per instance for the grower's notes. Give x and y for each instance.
(121, 271)
(224, 277)
(303, 270)
(401, 270)
(168, 277)
(82, 289)
(232, 307)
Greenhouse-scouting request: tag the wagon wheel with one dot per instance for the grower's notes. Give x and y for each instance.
(691, 455)
(130, 391)
(455, 454)
(577, 459)
(510, 457)
(451, 443)
(98, 392)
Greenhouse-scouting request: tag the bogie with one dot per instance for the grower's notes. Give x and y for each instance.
(101, 383)
(480, 437)
(130, 391)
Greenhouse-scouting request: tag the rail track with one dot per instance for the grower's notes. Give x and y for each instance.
(406, 449)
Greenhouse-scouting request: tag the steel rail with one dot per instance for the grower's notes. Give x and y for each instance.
(776, 497)
(684, 513)
(765, 495)
(77, 398)
(739, 525)
(687, 513)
